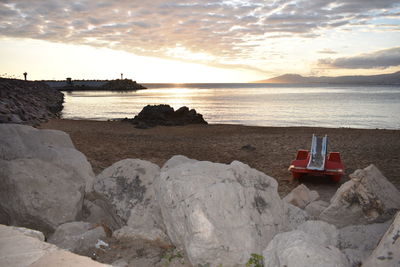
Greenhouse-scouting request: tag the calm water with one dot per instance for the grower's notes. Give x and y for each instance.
(251, 104)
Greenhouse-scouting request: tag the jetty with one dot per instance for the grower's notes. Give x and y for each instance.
(94, 85)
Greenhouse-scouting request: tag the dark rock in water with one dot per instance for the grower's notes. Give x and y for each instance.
(153, 115)
(27, 102)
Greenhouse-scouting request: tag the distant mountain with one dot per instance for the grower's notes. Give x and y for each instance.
(392, 78)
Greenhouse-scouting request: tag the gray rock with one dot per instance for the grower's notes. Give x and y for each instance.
(295, 216)
(77, 237)
(38, 194)
(362, 237)
(217, 213)
(298, 249)
(367, 198)
(18, 249)
(25, 142)
(301, 196)
(326, 234)
(128, 186)
(387, 253)
(315, 208)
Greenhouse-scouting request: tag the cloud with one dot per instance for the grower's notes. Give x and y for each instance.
(219, 28)
(378, 59)
(327, 51)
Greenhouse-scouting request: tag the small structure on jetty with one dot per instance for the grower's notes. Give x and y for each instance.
(85, 85)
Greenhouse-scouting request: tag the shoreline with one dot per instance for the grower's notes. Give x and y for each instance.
(106, 142)
(238, 124)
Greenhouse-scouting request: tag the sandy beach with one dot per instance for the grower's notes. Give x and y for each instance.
(272, 148)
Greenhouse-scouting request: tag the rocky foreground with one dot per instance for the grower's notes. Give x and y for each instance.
(187, 213)
(28, 102)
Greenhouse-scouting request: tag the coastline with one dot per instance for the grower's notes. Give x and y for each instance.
(106, 142)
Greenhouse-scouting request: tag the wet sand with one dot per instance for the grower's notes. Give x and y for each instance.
(269, 149)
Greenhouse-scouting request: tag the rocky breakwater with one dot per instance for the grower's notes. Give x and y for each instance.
(165, 115)
(187, 213)
(122, 85)
(27, 102)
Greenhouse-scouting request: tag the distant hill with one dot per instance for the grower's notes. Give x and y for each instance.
(392, 78)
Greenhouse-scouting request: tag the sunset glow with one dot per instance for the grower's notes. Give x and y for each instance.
(190, 41)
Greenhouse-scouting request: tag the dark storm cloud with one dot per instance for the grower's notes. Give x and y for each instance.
(214, 27)
(379, 59)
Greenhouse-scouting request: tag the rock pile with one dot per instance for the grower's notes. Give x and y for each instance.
(122, 85)
(28, 102)
(153, 115)
(188, 213)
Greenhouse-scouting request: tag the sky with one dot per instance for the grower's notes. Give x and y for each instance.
(198, 41)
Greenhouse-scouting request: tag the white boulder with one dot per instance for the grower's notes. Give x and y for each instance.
(52, 146)
(387, 253)
(218, 213)
(128, 186)
(38, 194)
(367, 198)
(299, 249)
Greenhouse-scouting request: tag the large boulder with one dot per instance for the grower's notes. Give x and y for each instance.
(77, 237)
(367, 198)
(218, 213)
(37, 194)
(55, 147)
(43, 177)
(299, 249)
(128, 186)
(387, 253)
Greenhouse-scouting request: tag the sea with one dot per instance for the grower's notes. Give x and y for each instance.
(253, 104)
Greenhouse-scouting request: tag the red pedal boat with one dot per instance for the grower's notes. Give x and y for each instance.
(317, 162)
